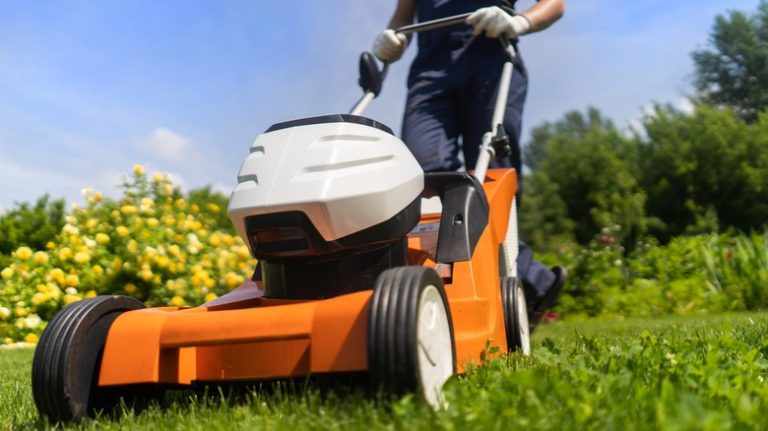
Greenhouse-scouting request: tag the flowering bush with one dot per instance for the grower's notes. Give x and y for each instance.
(151, 244)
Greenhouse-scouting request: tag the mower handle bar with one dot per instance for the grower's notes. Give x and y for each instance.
(431, 25)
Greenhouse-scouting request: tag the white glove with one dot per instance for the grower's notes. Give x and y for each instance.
(495, 22)
(389, 46)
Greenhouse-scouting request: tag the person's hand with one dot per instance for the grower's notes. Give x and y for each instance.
(495, 22)
(389, 46)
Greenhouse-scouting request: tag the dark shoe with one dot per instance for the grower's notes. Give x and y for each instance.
(548, 300)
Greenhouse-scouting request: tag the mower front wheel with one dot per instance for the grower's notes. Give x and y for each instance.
(67, 361)
(410, 334)
(515, 316)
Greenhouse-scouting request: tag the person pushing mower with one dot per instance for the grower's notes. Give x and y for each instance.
(451, 90)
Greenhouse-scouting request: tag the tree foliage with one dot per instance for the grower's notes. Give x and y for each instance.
(704, 170)
(734, 70)
(684, 174)
(31, 225)
(582, 180)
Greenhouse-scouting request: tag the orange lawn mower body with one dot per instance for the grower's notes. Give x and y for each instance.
(366, 265)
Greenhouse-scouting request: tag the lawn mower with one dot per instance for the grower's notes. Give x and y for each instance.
(366, 265)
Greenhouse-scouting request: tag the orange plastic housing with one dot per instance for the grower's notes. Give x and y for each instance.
(257, 338)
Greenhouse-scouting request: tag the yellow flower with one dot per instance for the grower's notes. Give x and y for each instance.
(212, 207)
(174, 250)
(4, 313)
(69, 298)
(122, 231)
(7, 340)
(210, 297)
(39, 298)
(115, 213)
(99, 196)
(128, 209)
(130, 288)
(90, 294)
(132, 246)
(57, 275)
(31, 338)
(97, 269)
(158, 178)
(72, 280)
(91, 223)
(152, 222)
(6, 273)
(102, 238)
(162, 261)
(146, 274)
(40, 257)
(233, 280)
(168, 189)
(138, 170)
(65, 253)
(50, 245)
(82, 258)
(24, 253)
(177, 301)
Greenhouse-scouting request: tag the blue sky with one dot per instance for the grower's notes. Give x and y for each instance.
(89, 88)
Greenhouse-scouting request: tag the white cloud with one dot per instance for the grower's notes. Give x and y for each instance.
(165, 144)
(225, 189)
(685, 105)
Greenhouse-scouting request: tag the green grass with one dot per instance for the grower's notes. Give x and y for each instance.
(706, 372)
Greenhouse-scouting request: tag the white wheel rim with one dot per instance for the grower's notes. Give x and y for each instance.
(435, 347)
(522, 320)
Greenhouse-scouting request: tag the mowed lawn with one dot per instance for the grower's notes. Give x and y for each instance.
(708, 372)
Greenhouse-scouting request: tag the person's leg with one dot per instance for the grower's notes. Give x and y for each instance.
(430, 129)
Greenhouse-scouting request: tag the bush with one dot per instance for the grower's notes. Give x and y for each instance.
(151, 244)
(692, 274)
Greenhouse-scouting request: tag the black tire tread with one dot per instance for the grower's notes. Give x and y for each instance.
(52, 366)
(392, 344)
(509, 300)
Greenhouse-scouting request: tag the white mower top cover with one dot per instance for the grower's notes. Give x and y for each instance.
(345, 176)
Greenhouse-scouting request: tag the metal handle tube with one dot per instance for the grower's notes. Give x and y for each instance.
(486, 150)
(362, 104)
(501, 97)
(431, 25)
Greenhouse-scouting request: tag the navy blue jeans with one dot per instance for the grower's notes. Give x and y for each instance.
(451, 97)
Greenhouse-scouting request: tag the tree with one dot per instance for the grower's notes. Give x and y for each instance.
(734, 71)
(584, 177)
(705, 170)
(31, 225)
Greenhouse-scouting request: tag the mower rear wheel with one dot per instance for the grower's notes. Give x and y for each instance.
(67, 361)
(410, 334)
(515, 316)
